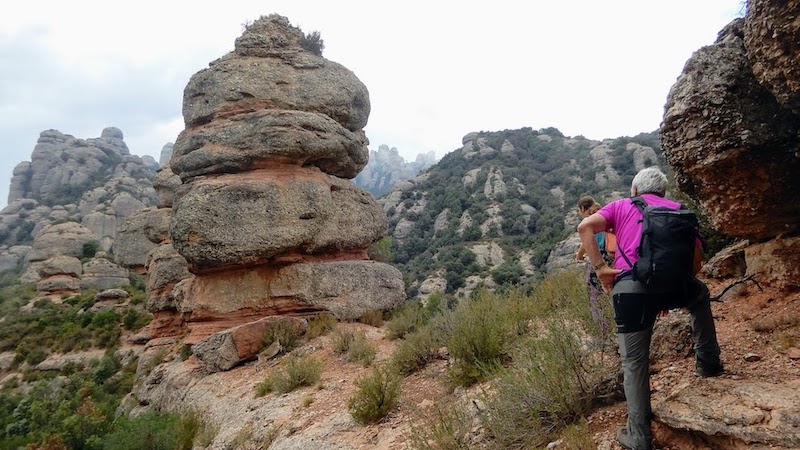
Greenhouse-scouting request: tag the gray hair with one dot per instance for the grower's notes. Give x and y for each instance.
(650, 181)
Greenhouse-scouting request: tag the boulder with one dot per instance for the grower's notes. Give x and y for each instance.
(270, 70)
(245, 219)
(755, 412)
(775, 263)
(728, 262)
(165, 268)
(166, 184)
(771, 31)
(100, 273)
(249, 141)
(226, 349)
(59, 283)
(66, 238)
(139, 234)
(60, 265)
(345, 288)
(721, 125)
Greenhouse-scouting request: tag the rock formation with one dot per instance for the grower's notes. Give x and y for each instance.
(262, 211)
(731, 131)
(73, 193)
(386, 168)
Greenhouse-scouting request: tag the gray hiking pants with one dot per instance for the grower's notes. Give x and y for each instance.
(634, 349)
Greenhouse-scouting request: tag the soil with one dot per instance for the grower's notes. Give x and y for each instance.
(759, 334)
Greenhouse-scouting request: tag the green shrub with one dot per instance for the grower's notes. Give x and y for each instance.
(410, 317)
(295, 372)
(417, 350)
(372, 317)
(376, 397)
(321, 324)
(482, 332)
(354, 346)
(285, 332)
(447, 427)
(90, 249)
(134, 319)
(150, 431)
(313, 43)
(551, 384)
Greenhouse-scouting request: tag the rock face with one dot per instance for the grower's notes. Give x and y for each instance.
(73, 193)
(729, 134)
(731, 130)
(262, 219)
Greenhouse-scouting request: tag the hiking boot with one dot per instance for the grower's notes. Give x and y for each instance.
(624, 439)
(709, 370)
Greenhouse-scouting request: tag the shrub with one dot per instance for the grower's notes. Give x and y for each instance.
(417, 350)
(354, 345)
(313, 43)
(284, 332)
(296, 372)
(90, 249)
(447, 427)
(372, 317)
(134, 320)
(551, 384)
(149, 431)
(410, 317)
(321, 324)
(376, 397)
(481, 335)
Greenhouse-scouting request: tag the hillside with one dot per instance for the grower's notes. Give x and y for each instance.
(245, 296)
(494, 210)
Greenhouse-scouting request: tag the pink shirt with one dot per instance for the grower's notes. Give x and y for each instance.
(623, 217)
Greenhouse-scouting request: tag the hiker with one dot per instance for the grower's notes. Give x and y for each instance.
(607, 243)
(586, 207)
(636, 305)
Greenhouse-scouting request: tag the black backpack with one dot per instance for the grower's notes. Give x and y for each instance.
(666, 249)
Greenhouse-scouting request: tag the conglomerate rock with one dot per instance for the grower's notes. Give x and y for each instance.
(772, 39)
(734, 148)
(263, 220)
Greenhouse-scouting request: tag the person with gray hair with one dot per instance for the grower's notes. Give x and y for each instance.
(636, 305)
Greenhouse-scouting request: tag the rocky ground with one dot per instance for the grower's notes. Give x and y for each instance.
(759, 336)
(758, 332)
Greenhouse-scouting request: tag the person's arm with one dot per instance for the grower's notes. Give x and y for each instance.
(586, 230)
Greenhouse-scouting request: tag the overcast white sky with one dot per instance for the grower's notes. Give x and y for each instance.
(435, 70)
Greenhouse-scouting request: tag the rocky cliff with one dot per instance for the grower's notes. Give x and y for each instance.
(262, 220)
(731, 131)
(386, 168)
(68, 202)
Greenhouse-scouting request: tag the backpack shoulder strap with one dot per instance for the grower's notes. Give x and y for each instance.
(639, 203)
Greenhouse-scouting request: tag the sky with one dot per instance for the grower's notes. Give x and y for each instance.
(435, 70)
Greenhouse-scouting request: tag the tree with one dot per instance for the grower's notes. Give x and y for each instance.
(313, 43)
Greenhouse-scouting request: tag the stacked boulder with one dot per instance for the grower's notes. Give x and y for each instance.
(265, 214)
(731, 131)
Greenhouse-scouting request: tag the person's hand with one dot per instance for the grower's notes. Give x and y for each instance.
(607, 275)
(579, 256)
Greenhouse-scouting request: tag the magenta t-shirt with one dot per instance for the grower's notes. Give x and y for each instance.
(623, 217)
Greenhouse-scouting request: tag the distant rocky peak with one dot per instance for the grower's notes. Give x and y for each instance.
(166, 154)
(386, 168)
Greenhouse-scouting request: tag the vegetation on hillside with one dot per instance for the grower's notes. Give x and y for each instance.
(75, 407)
(544, 176)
